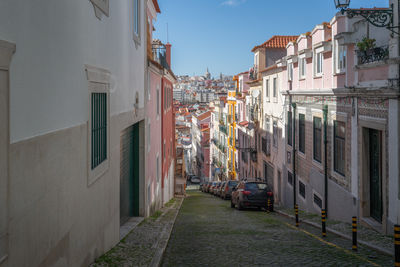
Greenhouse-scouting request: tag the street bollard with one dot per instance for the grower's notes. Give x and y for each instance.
(296, 210)
(323, 219)
(397, 245)
(354, 226)
(269, 205)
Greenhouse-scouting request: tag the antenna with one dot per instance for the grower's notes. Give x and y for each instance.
(167, 34)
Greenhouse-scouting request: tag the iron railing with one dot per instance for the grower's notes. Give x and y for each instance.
(373, 55)
(160, 55)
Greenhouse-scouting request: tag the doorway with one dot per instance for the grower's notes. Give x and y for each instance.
(129, 173)
(375, 173)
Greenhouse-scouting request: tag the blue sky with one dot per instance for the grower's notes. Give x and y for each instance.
(219, 34)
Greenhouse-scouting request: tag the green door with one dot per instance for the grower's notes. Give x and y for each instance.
(375, 172)
(129, 174)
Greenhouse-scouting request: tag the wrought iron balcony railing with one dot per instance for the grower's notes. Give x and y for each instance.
(160, 55)
(373, 55)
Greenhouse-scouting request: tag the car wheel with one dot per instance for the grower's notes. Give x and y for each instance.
(240, 207)
(232, 205)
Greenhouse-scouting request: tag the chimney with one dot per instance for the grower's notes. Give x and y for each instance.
(168, 54)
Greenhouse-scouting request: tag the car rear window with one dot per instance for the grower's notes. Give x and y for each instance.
(256, 186)
(232, 184)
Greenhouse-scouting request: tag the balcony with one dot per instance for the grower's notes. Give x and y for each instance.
(373, 55)
(253, 73)
(160, 55)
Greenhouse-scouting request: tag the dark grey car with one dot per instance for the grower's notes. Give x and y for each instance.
(252, 194)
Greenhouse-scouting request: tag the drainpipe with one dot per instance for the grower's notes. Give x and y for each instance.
(294, 154)
(325, 110)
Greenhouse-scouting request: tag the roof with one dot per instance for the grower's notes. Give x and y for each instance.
(155, 3)
(204, 115)
(277, 41)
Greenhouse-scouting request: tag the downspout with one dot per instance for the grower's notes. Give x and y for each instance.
(325, 111)
(294, 152)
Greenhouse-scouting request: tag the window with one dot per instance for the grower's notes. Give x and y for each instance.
(275, 87)
(148, 136)
(289, 128)
(318, 201)
(275, 134)
(290, 71)
(136, 20)
(267, 124)
(290, 178)
(99, 128)
(317, 138)
(302, 66)
(339, 147)
(302, 189)
(341, 58)
(267, 89)
(158, 101)
(302, 133)
(318, 64)
(158, 169)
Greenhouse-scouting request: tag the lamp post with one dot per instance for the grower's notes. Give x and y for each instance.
(379, 17)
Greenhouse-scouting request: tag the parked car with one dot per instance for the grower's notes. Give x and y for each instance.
(226, 191)
(252, 194)
(215, 190)
(195, 180)
(221, 188)
(212, 188)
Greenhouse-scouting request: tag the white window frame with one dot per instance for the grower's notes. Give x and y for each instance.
(99, 82)
(137, 21)
(290, 71)
(341, 58)
(302, 67)
(267, 91)
(319, 57)
(275, 89)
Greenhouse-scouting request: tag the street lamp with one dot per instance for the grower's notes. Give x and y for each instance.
(379, 17)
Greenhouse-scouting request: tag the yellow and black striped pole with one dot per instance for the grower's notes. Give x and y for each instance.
(296, 210)
(269, 205)
(354, 229)
(397, 245)
(323, 219)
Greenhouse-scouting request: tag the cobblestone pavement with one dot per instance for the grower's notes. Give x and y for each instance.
(364, 233)
(141, 246)
(208, 232)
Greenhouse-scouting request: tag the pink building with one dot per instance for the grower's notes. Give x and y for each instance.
(336, 84)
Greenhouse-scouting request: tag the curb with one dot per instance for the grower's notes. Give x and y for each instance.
(164, 240)
(364, 243)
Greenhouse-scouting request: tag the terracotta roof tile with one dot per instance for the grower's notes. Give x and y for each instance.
(277, 41)
(204, 115)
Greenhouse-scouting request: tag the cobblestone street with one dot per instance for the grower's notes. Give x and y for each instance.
(207, 232)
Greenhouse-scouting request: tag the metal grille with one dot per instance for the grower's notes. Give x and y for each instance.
(318, 201)
(302, 133)
(302, 189)
(99, 128)
(290, 178)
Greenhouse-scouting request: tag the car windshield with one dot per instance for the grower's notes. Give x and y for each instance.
(255, 186)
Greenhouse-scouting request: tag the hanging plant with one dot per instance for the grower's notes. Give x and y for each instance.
(366, 44)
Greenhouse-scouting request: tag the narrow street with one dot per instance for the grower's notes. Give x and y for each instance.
(208, 232)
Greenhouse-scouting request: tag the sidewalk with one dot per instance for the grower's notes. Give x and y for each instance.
(366, 236)
(146, 243)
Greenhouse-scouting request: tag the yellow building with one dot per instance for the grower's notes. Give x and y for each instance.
(232, 131)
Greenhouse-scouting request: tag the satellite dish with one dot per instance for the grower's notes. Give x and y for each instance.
(255, 93)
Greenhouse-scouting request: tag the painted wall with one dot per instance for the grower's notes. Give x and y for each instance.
(55, 39)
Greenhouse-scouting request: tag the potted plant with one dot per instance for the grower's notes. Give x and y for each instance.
(366, 44)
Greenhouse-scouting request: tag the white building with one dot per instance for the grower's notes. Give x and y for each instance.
(72, 117)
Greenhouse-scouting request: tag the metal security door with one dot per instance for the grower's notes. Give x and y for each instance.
(375, 172)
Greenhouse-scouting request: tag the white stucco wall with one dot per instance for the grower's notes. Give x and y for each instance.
(54, 40)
